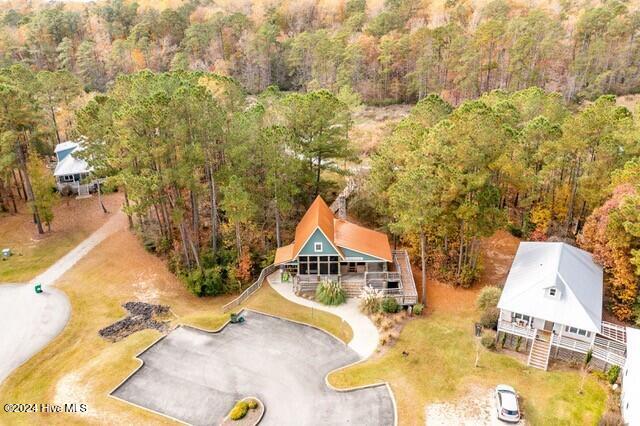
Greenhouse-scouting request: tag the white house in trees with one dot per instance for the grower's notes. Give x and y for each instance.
(552, 304)
(71, 173)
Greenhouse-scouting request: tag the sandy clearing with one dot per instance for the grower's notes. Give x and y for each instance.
(475, 409)
(28, 322)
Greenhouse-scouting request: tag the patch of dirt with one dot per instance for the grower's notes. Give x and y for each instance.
(68, 214)
(141, 316)
(497, 255)
(476, 408)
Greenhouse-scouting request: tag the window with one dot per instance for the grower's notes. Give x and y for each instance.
(66, 178)
(521, 318)
(317, 247)
(553, 292)
(578, 331)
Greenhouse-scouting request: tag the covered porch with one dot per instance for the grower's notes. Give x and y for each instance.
(392, 279)
(607, 344)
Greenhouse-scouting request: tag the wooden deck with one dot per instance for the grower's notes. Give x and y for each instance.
(353, 283)
(604, 348)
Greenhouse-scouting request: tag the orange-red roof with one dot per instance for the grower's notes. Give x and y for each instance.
(318, 216)
(340, 233)
(363, 240)
(284, 254)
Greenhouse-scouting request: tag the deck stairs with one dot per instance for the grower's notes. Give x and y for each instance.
(401, 259)
(540, 350)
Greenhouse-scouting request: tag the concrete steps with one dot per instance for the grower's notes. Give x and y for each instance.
(540, 350)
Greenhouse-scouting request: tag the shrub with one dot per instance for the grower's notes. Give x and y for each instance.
(390, 305)
(488, 340)
(418, 308)
(488, 297)
(205, 282)
(239, 410)
(252, 404)
(386, 324)
(612, 374)
(514, 230)
(489, 318)
(370, 300)
(377, 319)
(330, 293)
(503, 340)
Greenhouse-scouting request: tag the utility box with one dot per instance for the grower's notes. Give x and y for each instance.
(38, 288)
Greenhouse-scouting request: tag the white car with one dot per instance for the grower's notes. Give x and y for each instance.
(507, 404)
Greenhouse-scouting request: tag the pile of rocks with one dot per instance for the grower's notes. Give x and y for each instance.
(141, 316)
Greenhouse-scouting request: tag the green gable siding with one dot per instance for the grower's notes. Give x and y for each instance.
(318, 237)
(360, 256)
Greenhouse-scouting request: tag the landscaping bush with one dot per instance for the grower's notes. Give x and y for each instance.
(612, 374)
(418, 308)
(370, 300)
(488, 340)
(489, 318)
(390, 305)
(488, 297)
(514, 230)
(330, 293)
(252, 404)
(239, 410)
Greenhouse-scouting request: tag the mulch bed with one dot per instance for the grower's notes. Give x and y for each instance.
(141, 316)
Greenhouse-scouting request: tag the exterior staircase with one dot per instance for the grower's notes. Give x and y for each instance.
(540, 350)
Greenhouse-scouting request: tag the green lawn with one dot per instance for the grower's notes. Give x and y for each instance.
(440, 366)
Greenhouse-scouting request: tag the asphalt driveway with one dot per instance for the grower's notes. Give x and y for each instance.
(196, 377)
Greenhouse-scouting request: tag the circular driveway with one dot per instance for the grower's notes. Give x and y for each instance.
(196, 376)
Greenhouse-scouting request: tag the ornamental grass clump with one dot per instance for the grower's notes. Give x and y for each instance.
(239, 410)
(370, 300)
(330, 293)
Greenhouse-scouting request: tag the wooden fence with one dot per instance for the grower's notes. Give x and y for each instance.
(251, 289)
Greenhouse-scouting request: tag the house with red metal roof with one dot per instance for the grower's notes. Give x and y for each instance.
(328, 248)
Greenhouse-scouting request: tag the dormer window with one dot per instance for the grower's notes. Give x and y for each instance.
(317, 247)
(553, 292)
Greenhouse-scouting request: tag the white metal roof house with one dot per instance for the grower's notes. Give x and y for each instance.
(553, 298)
(630, 398)
(71, 172)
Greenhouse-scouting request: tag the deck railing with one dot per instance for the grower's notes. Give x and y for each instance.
(410, 294)
(571, 344)
(613, 332)
(251, 289)
(518, 330)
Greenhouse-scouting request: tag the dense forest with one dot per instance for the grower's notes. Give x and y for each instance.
(383, 52)
(220, 125)
(519, 161)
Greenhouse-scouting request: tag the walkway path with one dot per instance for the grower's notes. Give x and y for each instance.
(29, 321)
(55, 271)
(365, 334)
